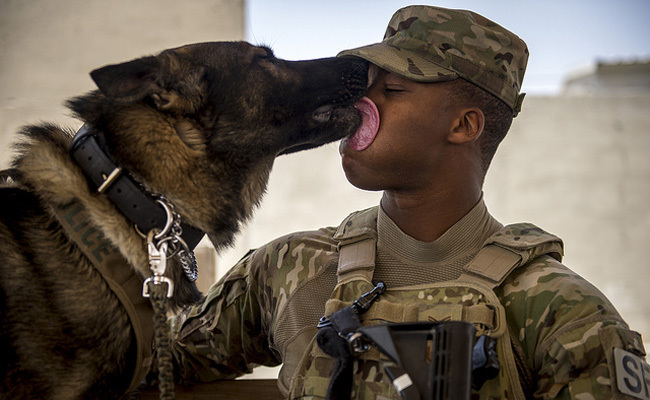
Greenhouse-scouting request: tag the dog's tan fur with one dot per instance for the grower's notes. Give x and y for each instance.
(201, 125)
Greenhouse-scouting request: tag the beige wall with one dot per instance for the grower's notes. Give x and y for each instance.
(48, 47)
(580, 168)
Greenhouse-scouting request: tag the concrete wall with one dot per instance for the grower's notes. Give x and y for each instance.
(621, 78)
(49, 47)
(579, 168)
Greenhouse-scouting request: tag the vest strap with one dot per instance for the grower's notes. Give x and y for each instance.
(491, 265)
(508, 249)
(120, 277)
(357, 260)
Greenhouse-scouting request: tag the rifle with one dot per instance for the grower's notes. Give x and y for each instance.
(437, 360)
(432, 360)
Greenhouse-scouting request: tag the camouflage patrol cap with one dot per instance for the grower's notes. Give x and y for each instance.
(434, 44)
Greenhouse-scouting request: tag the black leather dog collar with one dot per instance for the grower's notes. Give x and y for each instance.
(130, 197)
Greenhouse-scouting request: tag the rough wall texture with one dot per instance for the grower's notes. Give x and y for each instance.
(49, 47)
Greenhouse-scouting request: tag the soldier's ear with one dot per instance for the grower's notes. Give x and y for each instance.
(467, 126)
(130, 81)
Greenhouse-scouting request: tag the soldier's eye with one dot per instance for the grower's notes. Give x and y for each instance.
(393, 88)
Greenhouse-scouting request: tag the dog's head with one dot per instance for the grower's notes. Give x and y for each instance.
(202, 123)
(245, 97)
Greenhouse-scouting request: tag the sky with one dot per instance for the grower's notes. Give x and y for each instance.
(565, 37)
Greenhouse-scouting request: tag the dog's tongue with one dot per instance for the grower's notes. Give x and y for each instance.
(366, 133)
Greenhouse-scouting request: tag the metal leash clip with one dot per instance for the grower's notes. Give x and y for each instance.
(172, 235)
(157, 265)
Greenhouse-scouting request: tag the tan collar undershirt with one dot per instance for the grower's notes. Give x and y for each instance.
(403, 260)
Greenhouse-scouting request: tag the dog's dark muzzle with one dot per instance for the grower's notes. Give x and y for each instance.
(353, 80)
(330, 87)
(332, 82)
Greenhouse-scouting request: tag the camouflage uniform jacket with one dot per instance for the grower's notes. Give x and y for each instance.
(265, 312)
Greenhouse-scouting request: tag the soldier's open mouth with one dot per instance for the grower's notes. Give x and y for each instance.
(367, 131)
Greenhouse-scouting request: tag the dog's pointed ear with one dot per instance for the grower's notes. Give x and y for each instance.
(130, 81)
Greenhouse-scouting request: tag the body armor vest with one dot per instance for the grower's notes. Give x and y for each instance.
(470, 298)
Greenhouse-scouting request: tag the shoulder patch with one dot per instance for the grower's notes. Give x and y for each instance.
(632, 374)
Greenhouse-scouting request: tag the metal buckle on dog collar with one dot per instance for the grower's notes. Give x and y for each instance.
(111, 179)
(108, 180)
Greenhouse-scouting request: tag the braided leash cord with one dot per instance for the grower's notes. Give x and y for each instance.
(158, 298)
(162, 245)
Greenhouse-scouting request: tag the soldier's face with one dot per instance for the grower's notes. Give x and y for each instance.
(415, 120)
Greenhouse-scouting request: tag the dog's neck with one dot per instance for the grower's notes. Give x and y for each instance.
(129, 196)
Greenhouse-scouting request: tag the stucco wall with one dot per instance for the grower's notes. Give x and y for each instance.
(49, 47)
(579, 167)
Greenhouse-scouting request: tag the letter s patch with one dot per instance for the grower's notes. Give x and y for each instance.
(632, 374)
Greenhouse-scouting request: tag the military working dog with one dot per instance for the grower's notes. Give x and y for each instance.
(186, 139)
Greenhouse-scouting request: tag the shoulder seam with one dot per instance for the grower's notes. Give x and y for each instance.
(594, 318)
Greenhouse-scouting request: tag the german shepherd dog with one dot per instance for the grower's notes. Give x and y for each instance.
(200, 125)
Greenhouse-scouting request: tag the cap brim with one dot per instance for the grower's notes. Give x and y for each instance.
(405, 63)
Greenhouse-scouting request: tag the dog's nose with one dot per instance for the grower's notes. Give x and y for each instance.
(355, 76)
(357, 69)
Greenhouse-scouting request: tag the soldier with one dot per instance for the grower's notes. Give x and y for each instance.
(444, 89)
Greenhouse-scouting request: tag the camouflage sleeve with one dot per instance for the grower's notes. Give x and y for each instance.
(567, 330)
(224, 337)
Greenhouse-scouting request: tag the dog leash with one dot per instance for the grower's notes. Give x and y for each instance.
(131, 290)
(158, 288)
